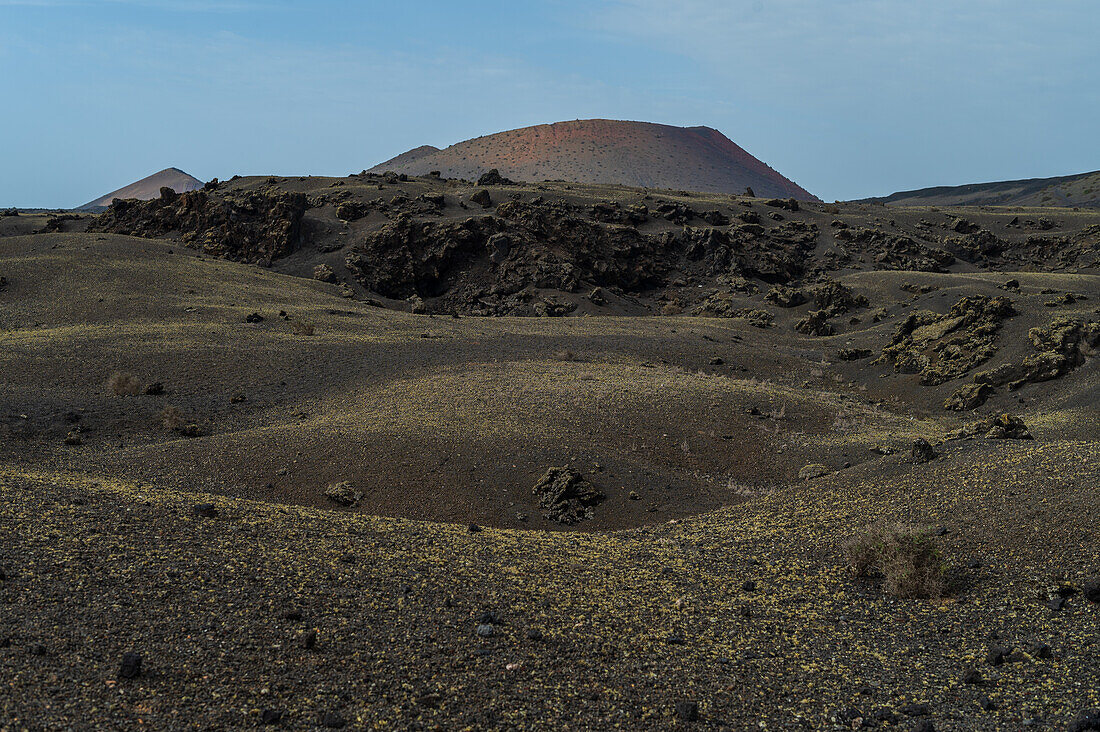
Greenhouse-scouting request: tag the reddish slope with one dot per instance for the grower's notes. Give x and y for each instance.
(148, 188)
(607, 151)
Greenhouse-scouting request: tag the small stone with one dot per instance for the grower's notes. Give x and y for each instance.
(922, 451)
(474, 529)
(38, 650)
(155, 389)
(73, 438)
(206, 510)
(997, 655)
(253, 318)
(1091, 590)
(915, 710)
(716, 361)
(925, 725)
(674, 640)
(486, 630)
(746, 611)
(634, 496)
(349, 558)
(1057, 603)
(293, 616)
(309, 641)
(333, 720)
(130, 667)
(749, 586)
(271, 716)
(1042, 650)
(974, 564)
(972, 676)
(688, 711)
(986, 703)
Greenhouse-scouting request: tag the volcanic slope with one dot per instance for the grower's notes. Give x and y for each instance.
(750, 405)
(639, 154)
(146, 188)
(1070, 190)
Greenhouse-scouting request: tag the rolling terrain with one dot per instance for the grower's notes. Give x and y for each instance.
(723, 390)
(1070, 191)
(640, 154)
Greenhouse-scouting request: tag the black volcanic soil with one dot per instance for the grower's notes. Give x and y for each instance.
(180, 352)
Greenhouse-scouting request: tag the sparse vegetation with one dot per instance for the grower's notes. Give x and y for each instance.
(124, 384)
(302, 327)
(905, 558)
(171, 418)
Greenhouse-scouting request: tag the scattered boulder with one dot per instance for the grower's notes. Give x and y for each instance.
(130, 668)
(785, 297)
(1003, 427)
(968, 396)
(482, 198)
(944, 347)
(494, 178)
(343, 494)
(816, 323)
(206, 510)
(324, 273)
(854, 354)
(567, 497)
(922, 451)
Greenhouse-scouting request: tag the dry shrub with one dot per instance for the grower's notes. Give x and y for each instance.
(566, 356)
(905, 558)
(124, 384)
(171, 418)
(302, 327)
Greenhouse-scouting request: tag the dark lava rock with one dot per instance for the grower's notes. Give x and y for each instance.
(1057, 603)
(854, 354)
(333, 720)
(1003, 427)
(534, 634)
(474, 528)
(130, 667)
(688, 711)
(566, 495)
(915, 710)
(997, 655)
(247, 226)
(482, 198)
(271, 716)
(816, 324)
(922, 451)
(785, 297)
(1091, 590)
(1042, 650)
(309, 641)
(925, 725)
(749, 586)
(206, 510)
(972, 676)
(155, 389)
(486, 630)
(987, 704)
(494, 178)
(253, 318)
(295, 616)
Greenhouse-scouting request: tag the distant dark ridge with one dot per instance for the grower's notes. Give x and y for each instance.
(1081, 190)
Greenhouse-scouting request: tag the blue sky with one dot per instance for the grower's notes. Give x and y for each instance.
(849, 98)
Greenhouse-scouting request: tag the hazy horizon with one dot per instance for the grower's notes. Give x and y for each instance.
(857, 98)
